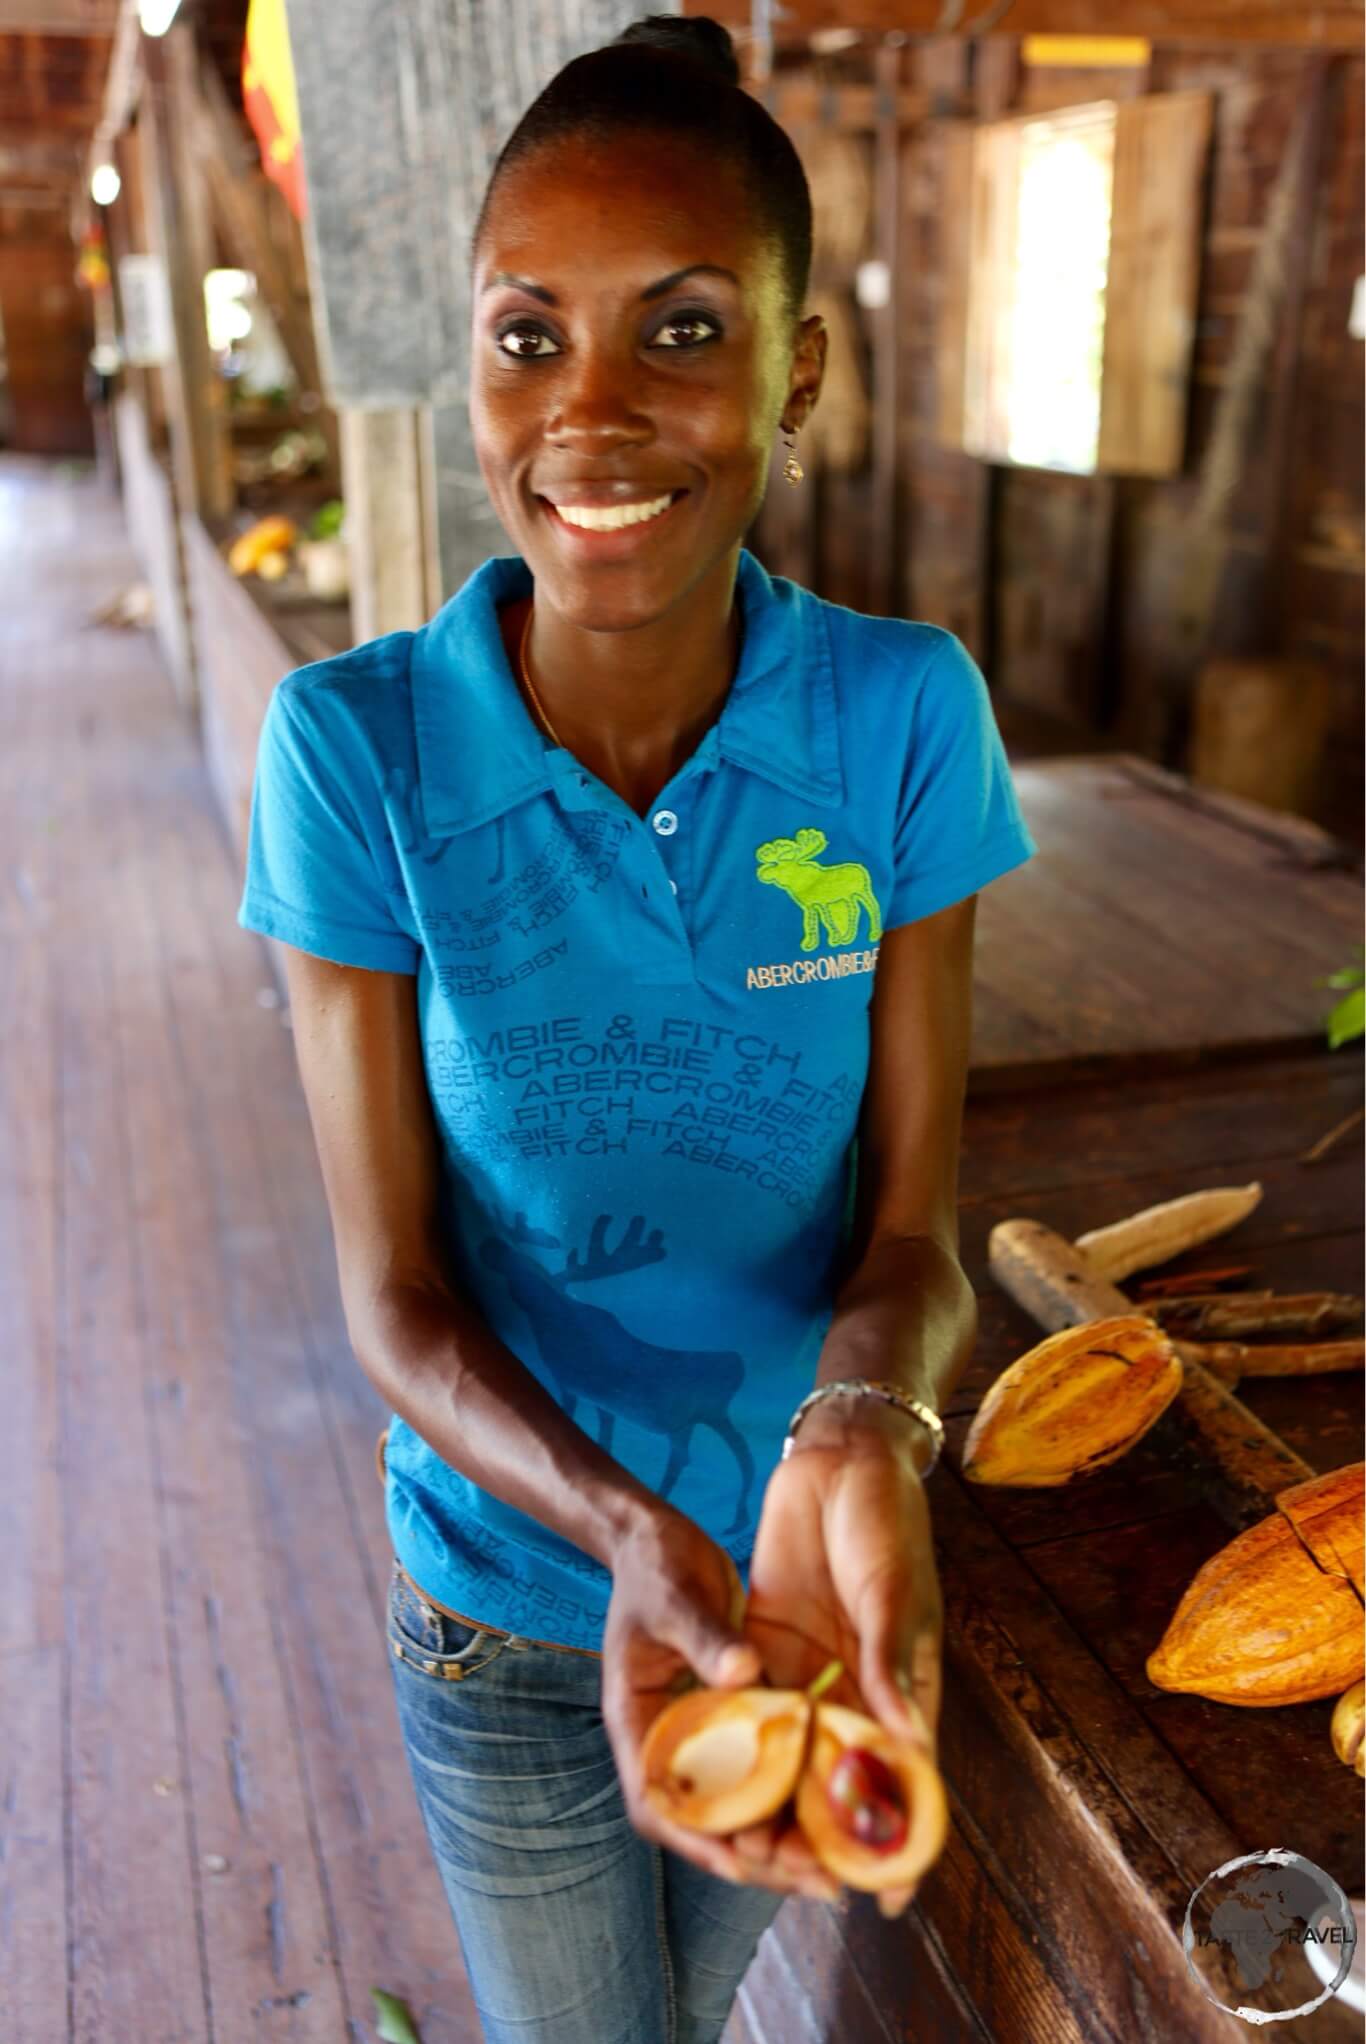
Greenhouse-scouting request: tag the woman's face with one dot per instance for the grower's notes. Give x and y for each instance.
(632, 356)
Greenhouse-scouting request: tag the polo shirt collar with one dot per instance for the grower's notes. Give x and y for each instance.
(479, 753)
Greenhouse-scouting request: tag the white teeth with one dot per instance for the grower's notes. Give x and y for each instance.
(608, 517)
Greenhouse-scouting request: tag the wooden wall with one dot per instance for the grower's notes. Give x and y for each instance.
(149, 508)
(1070, 589)
(46, 320)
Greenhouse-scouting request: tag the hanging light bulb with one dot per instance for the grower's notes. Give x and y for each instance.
(156, 16)
(105, 184)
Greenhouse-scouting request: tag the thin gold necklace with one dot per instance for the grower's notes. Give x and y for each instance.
(527, 683)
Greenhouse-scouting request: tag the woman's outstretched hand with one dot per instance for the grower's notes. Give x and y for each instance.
(844, 1569)
(677, 1604)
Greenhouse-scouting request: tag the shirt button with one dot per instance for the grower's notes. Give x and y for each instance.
(665, 822)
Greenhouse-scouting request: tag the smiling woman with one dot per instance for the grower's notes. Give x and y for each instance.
(626, 904)
(627, 382)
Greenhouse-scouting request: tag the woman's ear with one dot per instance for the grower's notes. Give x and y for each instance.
(808, 372)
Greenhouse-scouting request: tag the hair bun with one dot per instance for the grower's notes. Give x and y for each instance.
(698, 38)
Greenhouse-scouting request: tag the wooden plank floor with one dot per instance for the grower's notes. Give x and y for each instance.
(207, 1830)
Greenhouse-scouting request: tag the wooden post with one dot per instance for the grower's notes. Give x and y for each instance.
(173, 402)
(1322, 97)
(886, 579)
(240, 197)
(178, 219)
(390, 529)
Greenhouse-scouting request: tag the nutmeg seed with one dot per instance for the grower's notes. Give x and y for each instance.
(1349, 1723)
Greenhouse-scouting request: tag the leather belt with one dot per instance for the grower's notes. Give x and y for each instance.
(461, 1618)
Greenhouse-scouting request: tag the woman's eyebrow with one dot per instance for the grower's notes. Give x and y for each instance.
(651, 290)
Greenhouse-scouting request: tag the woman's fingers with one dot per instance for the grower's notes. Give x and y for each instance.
(782, 1858)
(755, 1845)
(723, 1859)
(901, 1683)
(765, 1847)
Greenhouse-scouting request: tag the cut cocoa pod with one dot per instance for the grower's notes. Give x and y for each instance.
(903, 1795)
(1262, 1624)
(872, 1807)
(1329, 1514)
(1073, 1403)
(1349, 1723)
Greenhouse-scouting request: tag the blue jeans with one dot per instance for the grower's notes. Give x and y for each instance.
(574, 1928)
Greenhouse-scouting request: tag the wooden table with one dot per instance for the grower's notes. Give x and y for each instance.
(1088, 1805)
(1160, 924)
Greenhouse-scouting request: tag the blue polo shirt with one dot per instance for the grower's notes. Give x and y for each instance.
(646, 1039)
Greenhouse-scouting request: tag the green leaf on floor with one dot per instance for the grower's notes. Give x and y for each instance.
(395, 2020)
(1347, 1021)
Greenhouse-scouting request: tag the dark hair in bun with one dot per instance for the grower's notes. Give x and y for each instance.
(702, 39)
(678, 77)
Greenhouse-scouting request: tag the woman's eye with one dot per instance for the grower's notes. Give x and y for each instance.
(526, 342)
(688, 330)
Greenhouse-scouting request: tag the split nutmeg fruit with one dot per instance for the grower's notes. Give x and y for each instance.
(872, 1806)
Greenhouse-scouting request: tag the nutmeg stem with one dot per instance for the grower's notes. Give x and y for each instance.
(829, 1675)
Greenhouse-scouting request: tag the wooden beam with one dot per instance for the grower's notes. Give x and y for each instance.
(194, 400)
(1329, 25)
(804, 102)
(1322, 96)
(59, 17)
(38, 156)
(387, 481)
(1207, 611)
(173, 399)
(239, 196)
(20, 116)
(887, 330)
(122, 81)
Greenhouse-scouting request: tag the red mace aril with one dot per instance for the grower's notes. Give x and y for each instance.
(866, 1798)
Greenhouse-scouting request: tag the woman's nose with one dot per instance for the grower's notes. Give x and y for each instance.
(600, 403)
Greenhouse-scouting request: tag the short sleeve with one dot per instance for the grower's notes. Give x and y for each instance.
(311, 878)
(959, 824)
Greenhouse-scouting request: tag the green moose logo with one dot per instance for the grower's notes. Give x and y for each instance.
(828, 895)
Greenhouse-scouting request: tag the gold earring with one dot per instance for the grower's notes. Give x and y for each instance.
(792, 468)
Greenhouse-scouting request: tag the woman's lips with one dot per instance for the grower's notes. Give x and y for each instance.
(612, 528)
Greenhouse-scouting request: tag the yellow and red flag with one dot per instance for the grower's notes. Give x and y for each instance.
(271, 101)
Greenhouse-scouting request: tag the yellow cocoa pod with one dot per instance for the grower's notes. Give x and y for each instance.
(1329, 1514)
(1262, 1624)
(275, 534)
(1078, 1400)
